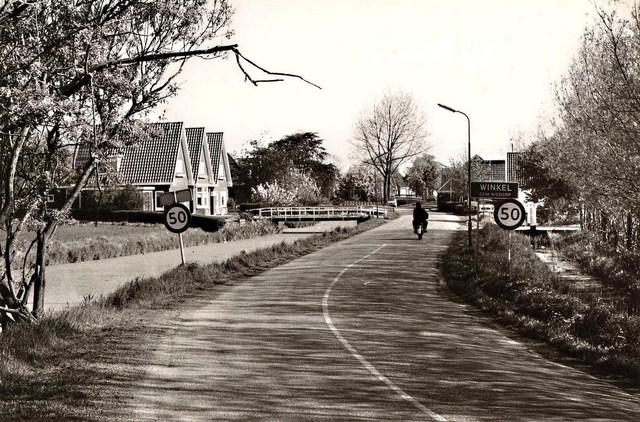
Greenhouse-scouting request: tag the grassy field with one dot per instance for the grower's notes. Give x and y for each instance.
(68, 366)
(528, 297)
(86, 242)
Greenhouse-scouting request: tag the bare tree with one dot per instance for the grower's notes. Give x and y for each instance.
(389, 134)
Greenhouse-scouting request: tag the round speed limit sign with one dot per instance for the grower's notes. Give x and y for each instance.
(177, 218)
(509, 214)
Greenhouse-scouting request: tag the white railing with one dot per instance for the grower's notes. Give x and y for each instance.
(318, 213)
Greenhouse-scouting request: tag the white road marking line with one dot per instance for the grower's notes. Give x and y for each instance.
(358, 356)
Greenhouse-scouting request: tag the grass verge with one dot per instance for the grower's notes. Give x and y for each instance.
(527, 296)
(615, 267)
(86, 242)
(57, 368)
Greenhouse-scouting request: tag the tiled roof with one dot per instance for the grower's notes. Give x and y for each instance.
(153, 161)
(81, 156)
(195, 139)
(398, 180)
(234, 168)
(215, 151)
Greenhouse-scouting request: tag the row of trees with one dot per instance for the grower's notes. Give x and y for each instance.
(295, 169)
(591, 160)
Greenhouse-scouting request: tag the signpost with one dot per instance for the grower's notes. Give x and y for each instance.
(509, 214)
(169, 198)
(177, 217)
(494, 190)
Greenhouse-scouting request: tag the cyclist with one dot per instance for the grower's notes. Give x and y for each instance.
(420, 216)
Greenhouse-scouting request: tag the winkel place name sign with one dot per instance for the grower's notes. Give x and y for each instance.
(495, 190)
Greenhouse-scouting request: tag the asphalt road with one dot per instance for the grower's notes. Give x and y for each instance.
(362, 330)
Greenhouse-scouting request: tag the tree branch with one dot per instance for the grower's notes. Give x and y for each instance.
(83, 79)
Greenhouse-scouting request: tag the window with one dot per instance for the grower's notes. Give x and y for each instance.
(202, 168)
(158, 193)
(179, 168)
(199, 197)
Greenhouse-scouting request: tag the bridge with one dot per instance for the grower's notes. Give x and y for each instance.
(357, 213)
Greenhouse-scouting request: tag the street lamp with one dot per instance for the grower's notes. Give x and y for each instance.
(453, 110)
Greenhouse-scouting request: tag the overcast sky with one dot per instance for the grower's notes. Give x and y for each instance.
(496, 60)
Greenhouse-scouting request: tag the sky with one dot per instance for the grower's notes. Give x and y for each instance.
(495, 60)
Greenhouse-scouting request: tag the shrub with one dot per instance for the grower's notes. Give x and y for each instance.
(114, 198)
(246, 206)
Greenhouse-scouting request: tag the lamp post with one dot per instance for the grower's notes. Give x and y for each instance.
(453, 110)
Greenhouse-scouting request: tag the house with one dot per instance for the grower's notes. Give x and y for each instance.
(159, 164)
(203, 180)
(491, 170)
(399, 186)
(177, 158)
(515, 171)
(221, 173)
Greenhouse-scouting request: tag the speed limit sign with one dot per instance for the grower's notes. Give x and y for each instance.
(509, 214)
(177, 218)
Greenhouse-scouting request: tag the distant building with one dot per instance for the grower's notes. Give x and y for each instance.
(492, 170)
(400, 186)
(515, 172)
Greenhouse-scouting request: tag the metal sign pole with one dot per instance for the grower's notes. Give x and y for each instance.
(175, 200)
(181, 247)
(477, 233)
(509, 252)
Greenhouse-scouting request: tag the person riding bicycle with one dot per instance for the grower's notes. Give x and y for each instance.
(420, 216)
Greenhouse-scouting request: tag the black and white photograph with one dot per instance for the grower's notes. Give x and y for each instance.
(319, 210)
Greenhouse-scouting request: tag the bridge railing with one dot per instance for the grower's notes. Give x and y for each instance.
(317, 213)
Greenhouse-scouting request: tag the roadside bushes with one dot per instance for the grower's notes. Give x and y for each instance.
(529, 297)
(107, 216)
(126, 198)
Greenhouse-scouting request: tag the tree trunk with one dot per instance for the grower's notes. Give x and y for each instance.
(629, 231)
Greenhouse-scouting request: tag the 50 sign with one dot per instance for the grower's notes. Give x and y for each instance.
(509, 214)
(177, 218)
